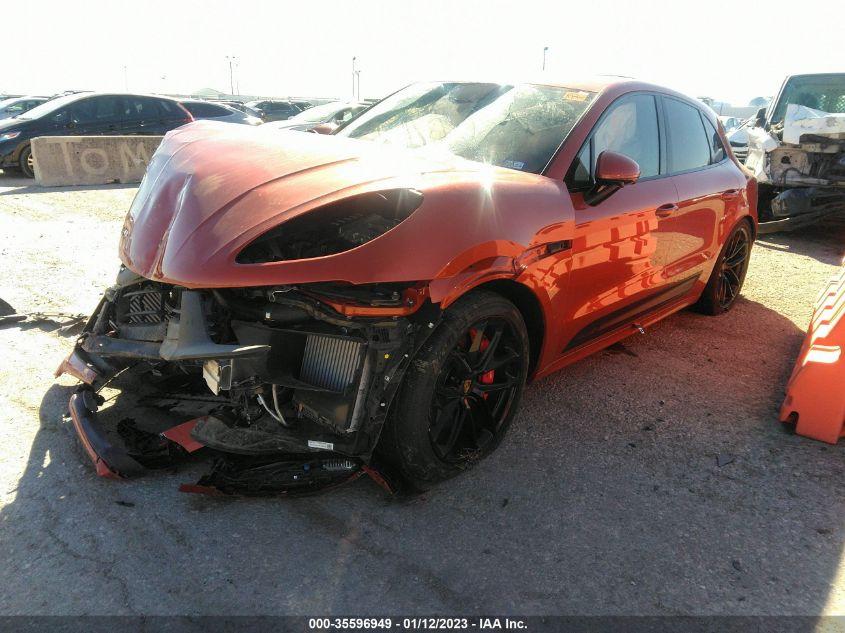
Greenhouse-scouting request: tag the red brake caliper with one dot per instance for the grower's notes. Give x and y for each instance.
(486, 378)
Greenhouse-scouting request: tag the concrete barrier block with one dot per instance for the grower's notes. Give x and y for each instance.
(91, 160)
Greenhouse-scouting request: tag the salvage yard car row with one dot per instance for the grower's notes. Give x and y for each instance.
(92, 114)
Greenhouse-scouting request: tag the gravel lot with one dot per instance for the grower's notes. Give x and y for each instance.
(606, 498)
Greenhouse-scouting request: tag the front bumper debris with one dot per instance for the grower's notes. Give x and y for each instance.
(109, 460)
(282, 392)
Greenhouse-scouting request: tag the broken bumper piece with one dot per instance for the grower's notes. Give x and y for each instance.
(249, 475)
(109, 460)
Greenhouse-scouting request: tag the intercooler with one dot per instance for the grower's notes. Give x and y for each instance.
(144, 306)
(330, 362)
(141, 313)
(338, 368)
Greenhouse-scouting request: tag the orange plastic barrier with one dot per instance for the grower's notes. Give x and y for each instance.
(816, 390)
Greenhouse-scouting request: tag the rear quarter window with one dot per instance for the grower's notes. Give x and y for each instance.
(717, 150)
(169, 109)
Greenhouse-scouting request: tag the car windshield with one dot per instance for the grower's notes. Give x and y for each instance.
(49, 106)
(318, 114)
(516, 126)
(822, 92)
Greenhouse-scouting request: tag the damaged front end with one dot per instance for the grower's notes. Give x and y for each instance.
(286, 388)
(799, 164)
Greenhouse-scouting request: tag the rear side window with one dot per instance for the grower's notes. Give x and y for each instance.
(689, 147)
(717, 150)
(169, 109)
(138, 108)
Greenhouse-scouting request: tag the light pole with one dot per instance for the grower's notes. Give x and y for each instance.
(545, 50)
(232, 61)
(125, 78)
(354, 75)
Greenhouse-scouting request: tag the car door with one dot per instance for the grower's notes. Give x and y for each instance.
(621, 244)
(141, 115)
(100, 114)
(706, 182)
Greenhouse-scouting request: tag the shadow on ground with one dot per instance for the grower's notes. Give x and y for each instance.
(814, 240)
(24, 185)
(653, 481)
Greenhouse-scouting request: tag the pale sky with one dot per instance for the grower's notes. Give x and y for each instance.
(729, 50)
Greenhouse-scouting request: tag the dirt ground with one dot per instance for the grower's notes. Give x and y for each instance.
(652, 478)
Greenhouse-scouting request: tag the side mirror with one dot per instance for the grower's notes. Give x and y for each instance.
(760, 118)
(613, 171)
(323, 128)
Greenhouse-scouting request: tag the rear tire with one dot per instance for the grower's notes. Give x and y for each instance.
(726, 280)
(27, 165)
(460, 393)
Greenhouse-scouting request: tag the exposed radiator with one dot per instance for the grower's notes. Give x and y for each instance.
(331, 362)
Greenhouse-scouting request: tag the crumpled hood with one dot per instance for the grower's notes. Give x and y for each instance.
(211, 188)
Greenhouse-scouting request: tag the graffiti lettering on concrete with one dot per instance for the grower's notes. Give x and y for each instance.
(140, 157)
(94, 166)
(65, 145)
(110, 157)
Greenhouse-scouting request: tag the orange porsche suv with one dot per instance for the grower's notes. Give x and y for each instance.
(374, 300)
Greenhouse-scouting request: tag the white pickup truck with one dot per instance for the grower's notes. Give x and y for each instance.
(796, 150)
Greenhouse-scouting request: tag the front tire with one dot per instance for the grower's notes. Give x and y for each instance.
(461, 391)
(27, 164)
(725, 283)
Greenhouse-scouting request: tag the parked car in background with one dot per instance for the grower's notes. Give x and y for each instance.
(391, 287)
(239, 105)
(330, 116)
(274, 110)
(303, 105)
(796, 150)
(83, 114)
(730, 123)
(200, 109)
(738, 139)
(19, 105)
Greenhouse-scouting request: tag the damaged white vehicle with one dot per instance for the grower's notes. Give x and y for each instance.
(796, 150)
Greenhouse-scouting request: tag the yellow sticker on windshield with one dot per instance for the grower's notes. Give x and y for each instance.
(576, 96)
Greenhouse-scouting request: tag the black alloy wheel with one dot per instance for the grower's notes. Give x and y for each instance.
(475, 391)
(460, 393)
(725, 283)
(733, 267)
